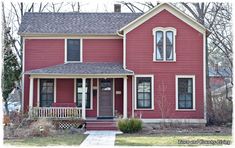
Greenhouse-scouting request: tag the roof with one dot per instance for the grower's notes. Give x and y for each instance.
(83, 69)
(74, 23)
(157, 9)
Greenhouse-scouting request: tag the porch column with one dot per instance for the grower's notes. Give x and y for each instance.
(125, 97)
(30, 94)
(83, 98)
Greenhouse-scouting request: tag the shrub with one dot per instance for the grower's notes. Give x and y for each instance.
(130, 125)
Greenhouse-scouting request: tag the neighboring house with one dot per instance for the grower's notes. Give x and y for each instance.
(109, 64)
(219, 76)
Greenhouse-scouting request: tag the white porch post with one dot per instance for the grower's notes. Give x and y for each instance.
(125, 97)
(31, 94)
(83, 98)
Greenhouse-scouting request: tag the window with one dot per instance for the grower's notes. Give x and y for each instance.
(46, 92)
(185, 92)
(164, 44)
(87, 93)
(144, 92)
(73, 50)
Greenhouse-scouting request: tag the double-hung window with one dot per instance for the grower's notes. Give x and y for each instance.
(164, 44)
(185, 92)
(87, 93)
(144, 92)
(74, 50)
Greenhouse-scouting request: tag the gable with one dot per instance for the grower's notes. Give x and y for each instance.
(156, 10)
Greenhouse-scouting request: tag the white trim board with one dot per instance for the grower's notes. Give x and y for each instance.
(65, 50)
(190, 121)
(176, 92)
(152, 93)
(157, 9)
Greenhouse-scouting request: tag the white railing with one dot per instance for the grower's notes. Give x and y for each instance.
(55, 112)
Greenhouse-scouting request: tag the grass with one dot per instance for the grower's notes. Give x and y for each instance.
(72, 139)
(164, 140)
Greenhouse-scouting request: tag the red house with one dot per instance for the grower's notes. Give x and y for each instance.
(103, 65)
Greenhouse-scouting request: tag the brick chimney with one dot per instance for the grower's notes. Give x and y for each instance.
(117, 8)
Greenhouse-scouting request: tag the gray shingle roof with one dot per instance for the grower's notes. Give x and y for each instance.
(75, 23)
(83, 69)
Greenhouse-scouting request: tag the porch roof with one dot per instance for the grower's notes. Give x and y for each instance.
(82, 69)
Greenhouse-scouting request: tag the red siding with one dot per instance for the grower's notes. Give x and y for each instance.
(189, 61)
(65, 90)
(102, 50)
(119, 97)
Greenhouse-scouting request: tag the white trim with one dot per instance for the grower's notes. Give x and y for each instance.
(83, 98)
(133, 96)
(157, 9)
(189, 121)
(124, 51)
(91, 95)
(31, 89)
(75, 91)
(204, 74)
(176, 92)
(65, 50)
(98, 96)
(113, 97)
(54, 90)
(164, 30)
(65, 76)
(38, 92)
(125, 106)
(63, 36)
(23, 75)
(152, 93)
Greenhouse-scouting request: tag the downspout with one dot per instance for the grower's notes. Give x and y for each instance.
(124, 48)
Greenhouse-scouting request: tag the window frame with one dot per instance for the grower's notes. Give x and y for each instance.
(40, 91)
(177, 77)
(66, 50)
(91, 93)
(164, 30)
(152, 91)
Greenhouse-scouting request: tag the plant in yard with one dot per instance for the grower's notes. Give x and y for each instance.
(131, 125)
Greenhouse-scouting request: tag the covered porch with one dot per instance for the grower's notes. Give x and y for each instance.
(78, 91)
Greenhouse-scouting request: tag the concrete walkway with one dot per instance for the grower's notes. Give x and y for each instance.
(100, 138)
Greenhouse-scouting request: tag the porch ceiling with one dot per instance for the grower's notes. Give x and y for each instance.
(82, 69)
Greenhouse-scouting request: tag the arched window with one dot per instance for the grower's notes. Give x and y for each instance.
(164, 44)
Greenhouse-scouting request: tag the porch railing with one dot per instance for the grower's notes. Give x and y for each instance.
(55, 112)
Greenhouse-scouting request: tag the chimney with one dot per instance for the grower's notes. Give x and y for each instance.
(117, 7)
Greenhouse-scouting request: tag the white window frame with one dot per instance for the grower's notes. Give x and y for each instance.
(164, 30)
(176, 92)
(152, 93)
(65, 51)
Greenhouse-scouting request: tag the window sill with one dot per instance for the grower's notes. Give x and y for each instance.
(185, 110)
(73, 62)
(138, 109)
(164, 61)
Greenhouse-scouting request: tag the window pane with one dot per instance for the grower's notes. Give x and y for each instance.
(159, 45)
(73, 50)
(46, 92)
(143, 92)
(185, 93)
(169, 45)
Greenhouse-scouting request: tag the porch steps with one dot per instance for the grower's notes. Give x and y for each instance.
(101, 125)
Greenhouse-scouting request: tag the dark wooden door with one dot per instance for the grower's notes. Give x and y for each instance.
(106, 98)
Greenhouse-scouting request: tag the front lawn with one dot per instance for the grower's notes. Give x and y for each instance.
(67, 139)
(164, 139)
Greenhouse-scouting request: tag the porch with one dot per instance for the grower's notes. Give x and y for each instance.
(78, 91)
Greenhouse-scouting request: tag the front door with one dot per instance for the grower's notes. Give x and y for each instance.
(106, 98)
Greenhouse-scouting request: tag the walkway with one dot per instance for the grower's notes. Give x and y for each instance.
(100, 138)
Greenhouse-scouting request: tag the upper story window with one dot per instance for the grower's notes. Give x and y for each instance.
(164, 44)
(74, 50)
